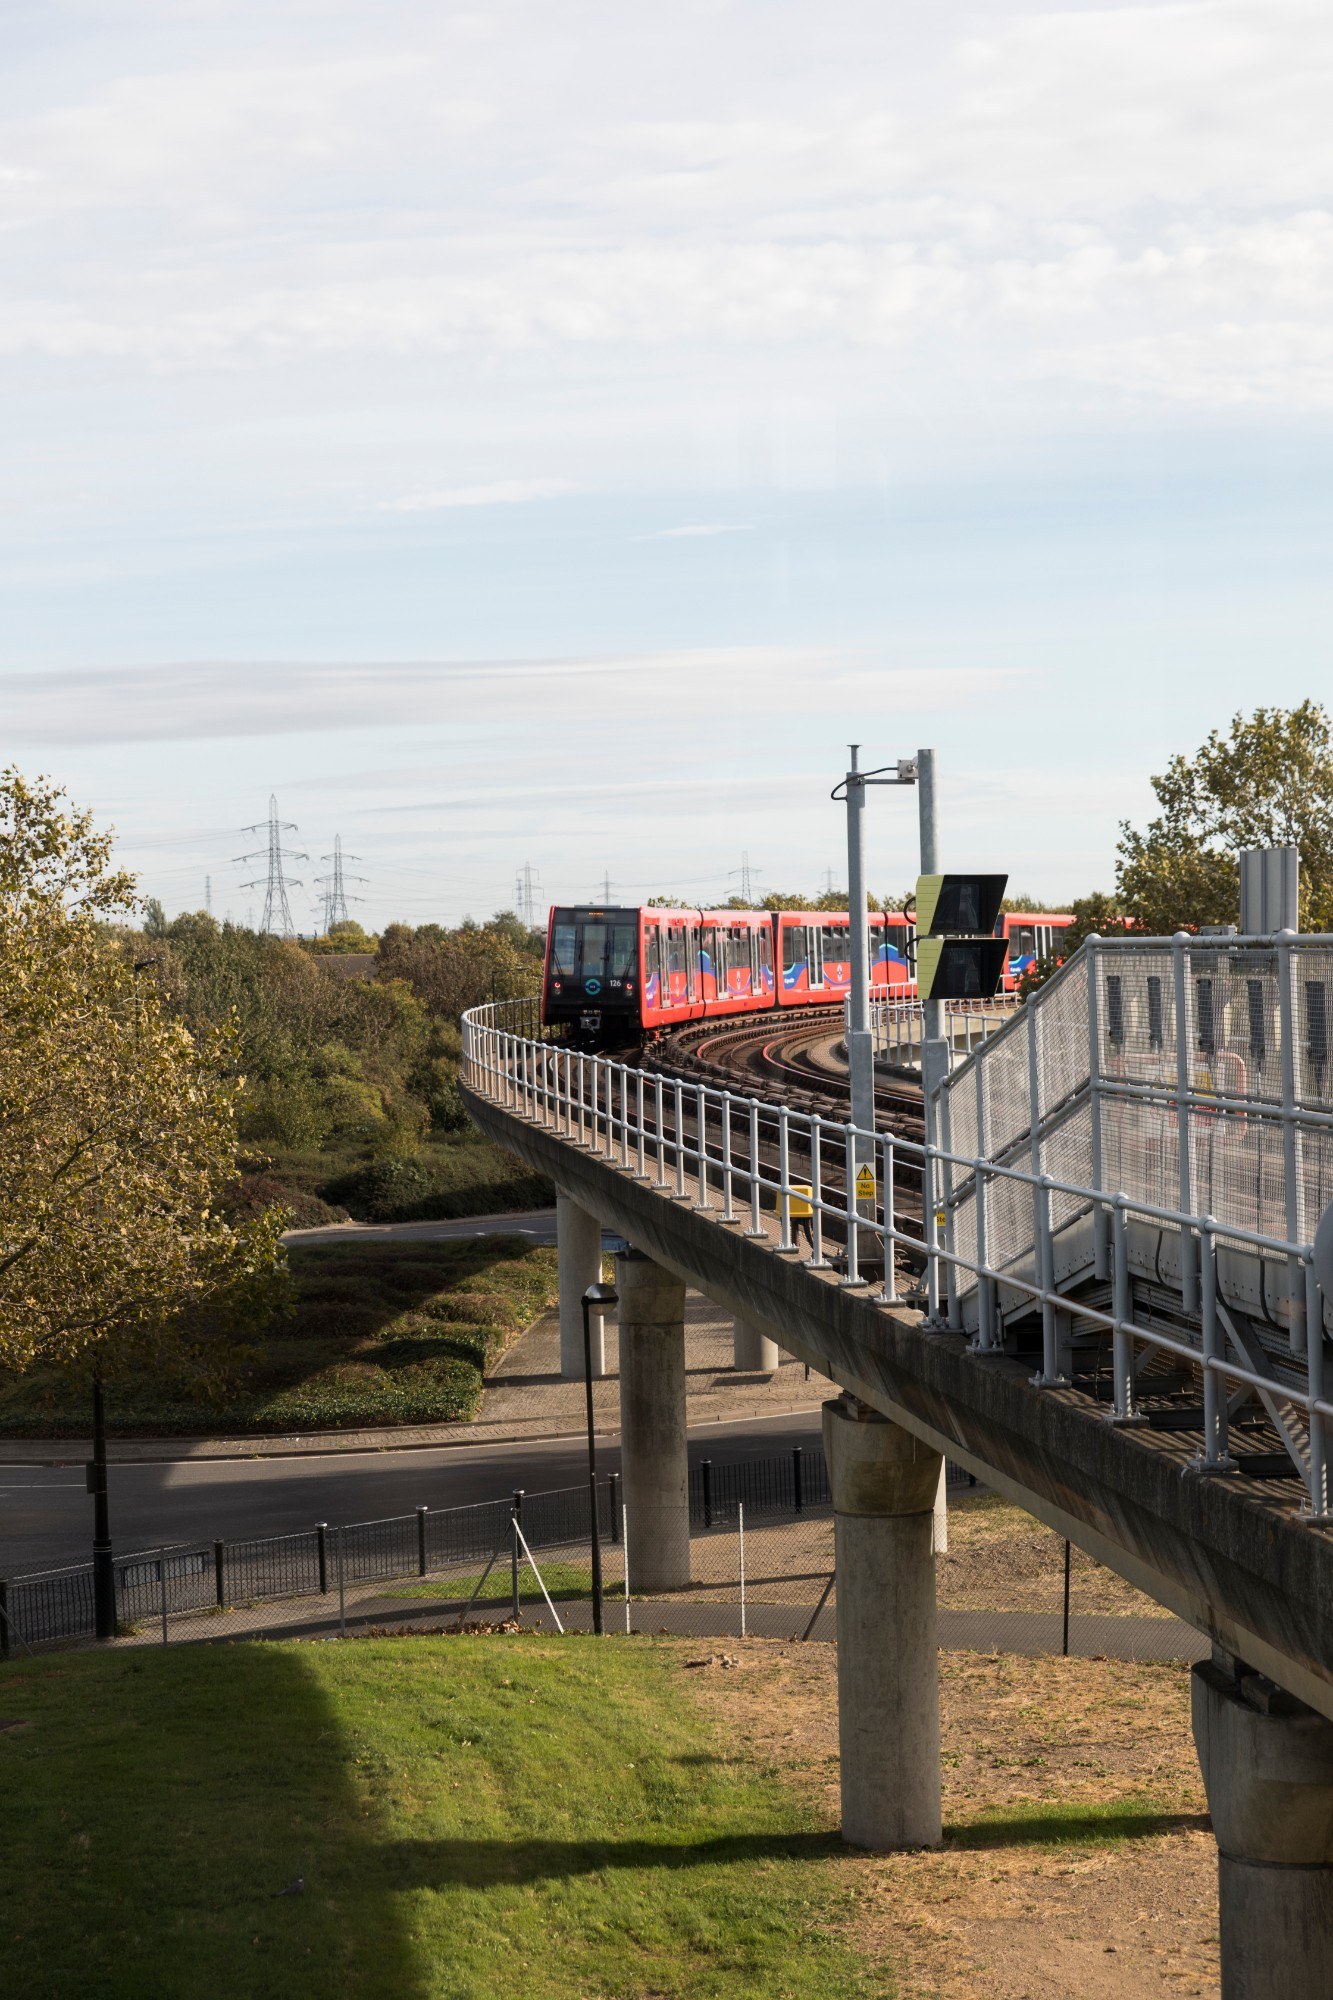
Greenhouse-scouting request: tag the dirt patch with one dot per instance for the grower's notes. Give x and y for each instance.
(1077, 1864)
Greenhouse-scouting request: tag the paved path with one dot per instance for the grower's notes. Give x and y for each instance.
(1028, 1634)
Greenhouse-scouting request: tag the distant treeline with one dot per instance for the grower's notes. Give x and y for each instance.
(347, 1079)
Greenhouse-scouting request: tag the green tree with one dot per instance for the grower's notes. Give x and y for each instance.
(1096, 915)
(117, 1124)
(1268, 782)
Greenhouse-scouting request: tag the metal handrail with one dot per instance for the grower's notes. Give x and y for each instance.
(603, 1099)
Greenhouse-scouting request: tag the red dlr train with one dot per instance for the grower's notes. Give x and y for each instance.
(613, 976)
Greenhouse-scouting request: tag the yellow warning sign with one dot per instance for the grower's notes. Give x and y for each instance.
(865, 1184)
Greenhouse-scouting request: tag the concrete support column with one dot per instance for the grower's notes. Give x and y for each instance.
(653, 1462)
(1267, 1763)
(752, 1352)
(578, 1249)
(884, 1483)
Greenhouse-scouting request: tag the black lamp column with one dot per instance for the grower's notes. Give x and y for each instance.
(598, 1299)
(104, 1571)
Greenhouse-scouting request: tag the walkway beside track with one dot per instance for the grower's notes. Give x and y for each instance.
(1225, 1555)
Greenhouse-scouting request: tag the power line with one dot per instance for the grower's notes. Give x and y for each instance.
(277, 920)
(336, 897)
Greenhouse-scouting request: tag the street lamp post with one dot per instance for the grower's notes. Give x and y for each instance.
(860, 1048)
(599, 1299)
(104, 1568)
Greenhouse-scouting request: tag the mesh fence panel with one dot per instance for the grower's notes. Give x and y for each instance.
(1062, 1038)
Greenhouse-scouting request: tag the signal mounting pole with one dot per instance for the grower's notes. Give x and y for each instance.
(860, 1048)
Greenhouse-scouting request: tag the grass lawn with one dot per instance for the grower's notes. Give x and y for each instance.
(384, 1333)
(482, 1819)
(565, 1583)
(455, 1175)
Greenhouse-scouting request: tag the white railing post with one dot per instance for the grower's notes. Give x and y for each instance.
(888, 1293)
(1314, 1382)
(817, 1261)
(756, 1222)
(1189, 1289)
(1100, 1259)
(1122, 1346)
(1291, 1148)
(700, 1127)
(986, 1340)
(1050, 1376)
(624, 1114)
(1215, 1456)
(728, 1210)
(661, 1136)
(784, 1181)
(853, 1276)
(930, 1228)
(679, 1107)
(642, 1173)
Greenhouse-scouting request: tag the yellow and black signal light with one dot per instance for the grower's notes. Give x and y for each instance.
(958, 956)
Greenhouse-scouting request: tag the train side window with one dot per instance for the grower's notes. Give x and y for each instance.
(835, 942)
(564, 951)
(652, 957)
(793, 945)
(675, 951)
(1059, 932)
(692, 966)
(765, 937)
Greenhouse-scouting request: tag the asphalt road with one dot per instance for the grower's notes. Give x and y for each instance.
(46, 1514)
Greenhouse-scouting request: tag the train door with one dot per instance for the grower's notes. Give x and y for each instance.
(652, 967)
(677, 980)
(765, 942)
(814, 944)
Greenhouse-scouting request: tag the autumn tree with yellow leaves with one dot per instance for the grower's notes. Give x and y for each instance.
(117, 1123)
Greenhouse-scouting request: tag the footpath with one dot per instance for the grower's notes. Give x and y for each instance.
(525, 1399)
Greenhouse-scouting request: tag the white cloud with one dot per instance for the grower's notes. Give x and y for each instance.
(499, 493)
(317, 190)
(203, 701)
(693, 529)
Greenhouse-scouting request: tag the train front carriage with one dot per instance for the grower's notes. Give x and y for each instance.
(593, 981)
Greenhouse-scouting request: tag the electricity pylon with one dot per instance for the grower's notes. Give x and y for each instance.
(277, 918)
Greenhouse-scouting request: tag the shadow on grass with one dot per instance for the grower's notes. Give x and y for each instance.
(481, 1864)
(1072, 1825)
(155, 1810)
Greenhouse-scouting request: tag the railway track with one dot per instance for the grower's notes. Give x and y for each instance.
(787, 1063)
(781, 1064)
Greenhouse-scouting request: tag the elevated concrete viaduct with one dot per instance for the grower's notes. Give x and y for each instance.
(1222, 1553)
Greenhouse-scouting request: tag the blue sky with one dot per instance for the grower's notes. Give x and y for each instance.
(547, 434)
